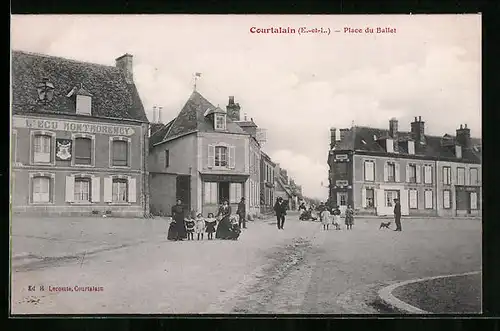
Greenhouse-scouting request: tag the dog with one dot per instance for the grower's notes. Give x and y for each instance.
(384, 225)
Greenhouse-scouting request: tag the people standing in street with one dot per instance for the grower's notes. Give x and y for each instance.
(336, 217)
(302, 210)
(190, 222)
(200, 226)
(280, 210)
(241, 211)
(178, 214)
(397, 214)
(210, 224)
(223, 229)
(349, 217)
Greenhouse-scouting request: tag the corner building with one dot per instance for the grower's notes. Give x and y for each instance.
(78, 139)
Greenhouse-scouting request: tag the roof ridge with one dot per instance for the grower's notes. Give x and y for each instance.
(409, 132)
(63, 58)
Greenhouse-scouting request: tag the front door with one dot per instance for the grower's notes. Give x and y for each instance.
(223, 192)
(183, 191)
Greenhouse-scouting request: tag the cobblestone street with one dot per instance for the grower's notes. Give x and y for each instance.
(301, 269)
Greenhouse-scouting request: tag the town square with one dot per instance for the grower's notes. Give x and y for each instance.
(209, 178)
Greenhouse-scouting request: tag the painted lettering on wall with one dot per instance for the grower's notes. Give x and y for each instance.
(72, 126)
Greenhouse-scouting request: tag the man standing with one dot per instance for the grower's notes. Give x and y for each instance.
(280, 210)
(397, 214)
(241, 213)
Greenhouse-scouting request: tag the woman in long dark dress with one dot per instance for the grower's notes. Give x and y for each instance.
(224, 227)
(178, 215)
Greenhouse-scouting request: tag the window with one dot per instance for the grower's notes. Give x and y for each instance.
(411, 147)
(120, 153)
(390, 195)
(120, 190)
(211, 193)
(342, 198)
(83, 104)
(370, 196)
(412, 173)
(41, 189)
(460, 176)
(428, 174)
(428, 199)
(82, 190)
(473, 200)
(447, 199)
(221, 156)
(458, 151)
(235, 192)
(413, 198)
(447, 175)
(391, 172)
(42, 146)
(220, 121)
(369, 171)
(83, 151)
(341, 169)
(167, 158)
(390, 145)
(473, 173)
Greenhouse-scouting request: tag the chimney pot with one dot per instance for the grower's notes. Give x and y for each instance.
(415, 118)
(466, 125)
(461, 126)
(159, 114)
(231, 100)
(154, 114)
(420, 118)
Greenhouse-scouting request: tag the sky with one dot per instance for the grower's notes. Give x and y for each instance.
(296, 86)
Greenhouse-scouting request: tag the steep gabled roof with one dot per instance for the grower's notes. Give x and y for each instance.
(192, 118)
(111, 95)
(366, 139)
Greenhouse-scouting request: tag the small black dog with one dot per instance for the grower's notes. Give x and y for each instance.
(384, 225)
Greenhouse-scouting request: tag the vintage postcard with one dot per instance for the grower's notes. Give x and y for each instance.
(246, 164)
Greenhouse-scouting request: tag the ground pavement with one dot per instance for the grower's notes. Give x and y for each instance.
(301, 269)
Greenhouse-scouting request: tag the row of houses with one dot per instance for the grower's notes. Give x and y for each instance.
(430, 175)
(81, 144)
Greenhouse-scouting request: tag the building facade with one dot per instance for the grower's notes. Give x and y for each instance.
(267, 183)
(371, 167)
(202, 157)
(74, 149)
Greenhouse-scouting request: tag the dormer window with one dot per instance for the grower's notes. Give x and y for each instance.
(220, 122)
(83, 100)
(389, 145)
(458, 151)
(411, 147)
(45, 90)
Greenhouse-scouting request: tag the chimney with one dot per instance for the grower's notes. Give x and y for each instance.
(233, 109)
(159, 114)
(393, 133)
(124, 63)
(333, 137)
(463, 136)
(154, 115)
(418, 131)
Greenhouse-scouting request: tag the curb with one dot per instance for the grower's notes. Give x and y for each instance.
(385, 294)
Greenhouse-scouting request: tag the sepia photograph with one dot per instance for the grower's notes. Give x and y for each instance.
(245, 164)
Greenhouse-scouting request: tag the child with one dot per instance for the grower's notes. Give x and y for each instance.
(336, 217)
(190, 223)
(200, 226)
(326, 219)
(210, 224)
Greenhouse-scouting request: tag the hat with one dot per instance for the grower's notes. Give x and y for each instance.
(242, 198)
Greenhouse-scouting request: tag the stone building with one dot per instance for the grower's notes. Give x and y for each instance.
(370, 167)
(79, 138)
(267, 183)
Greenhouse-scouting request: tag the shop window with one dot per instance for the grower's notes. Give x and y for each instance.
(210, 193)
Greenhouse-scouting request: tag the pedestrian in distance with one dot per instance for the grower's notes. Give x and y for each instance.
(302, 210)
(241, 211)
(190, 223)
(326, 219)
(349, 217)
(199, 226)
(210, 224)
(178, 214)
(280, 210)
(397, 214)
(336, 217)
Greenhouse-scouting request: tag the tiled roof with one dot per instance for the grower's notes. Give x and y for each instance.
(247, 123)
(191, 119)
(111, 95)
(366, 139)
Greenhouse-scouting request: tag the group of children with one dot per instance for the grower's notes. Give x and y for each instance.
(332, 217)
(199, 225)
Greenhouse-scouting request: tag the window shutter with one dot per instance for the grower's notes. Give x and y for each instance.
(396, 169)
(96, 189)
(379, 198)
(467, 177)
(70, 188)
(404, 202)
(132, 194)
(232, 157)
(108, 189)
(407, 173)
(418, 172)
(363, 197)
(386, 172)
(211, 156)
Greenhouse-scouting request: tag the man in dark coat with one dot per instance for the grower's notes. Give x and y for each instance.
(241, 213)
(280, 210)
(397, 214)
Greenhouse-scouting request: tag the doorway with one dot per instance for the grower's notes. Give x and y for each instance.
(223, 193)
(183, 191)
